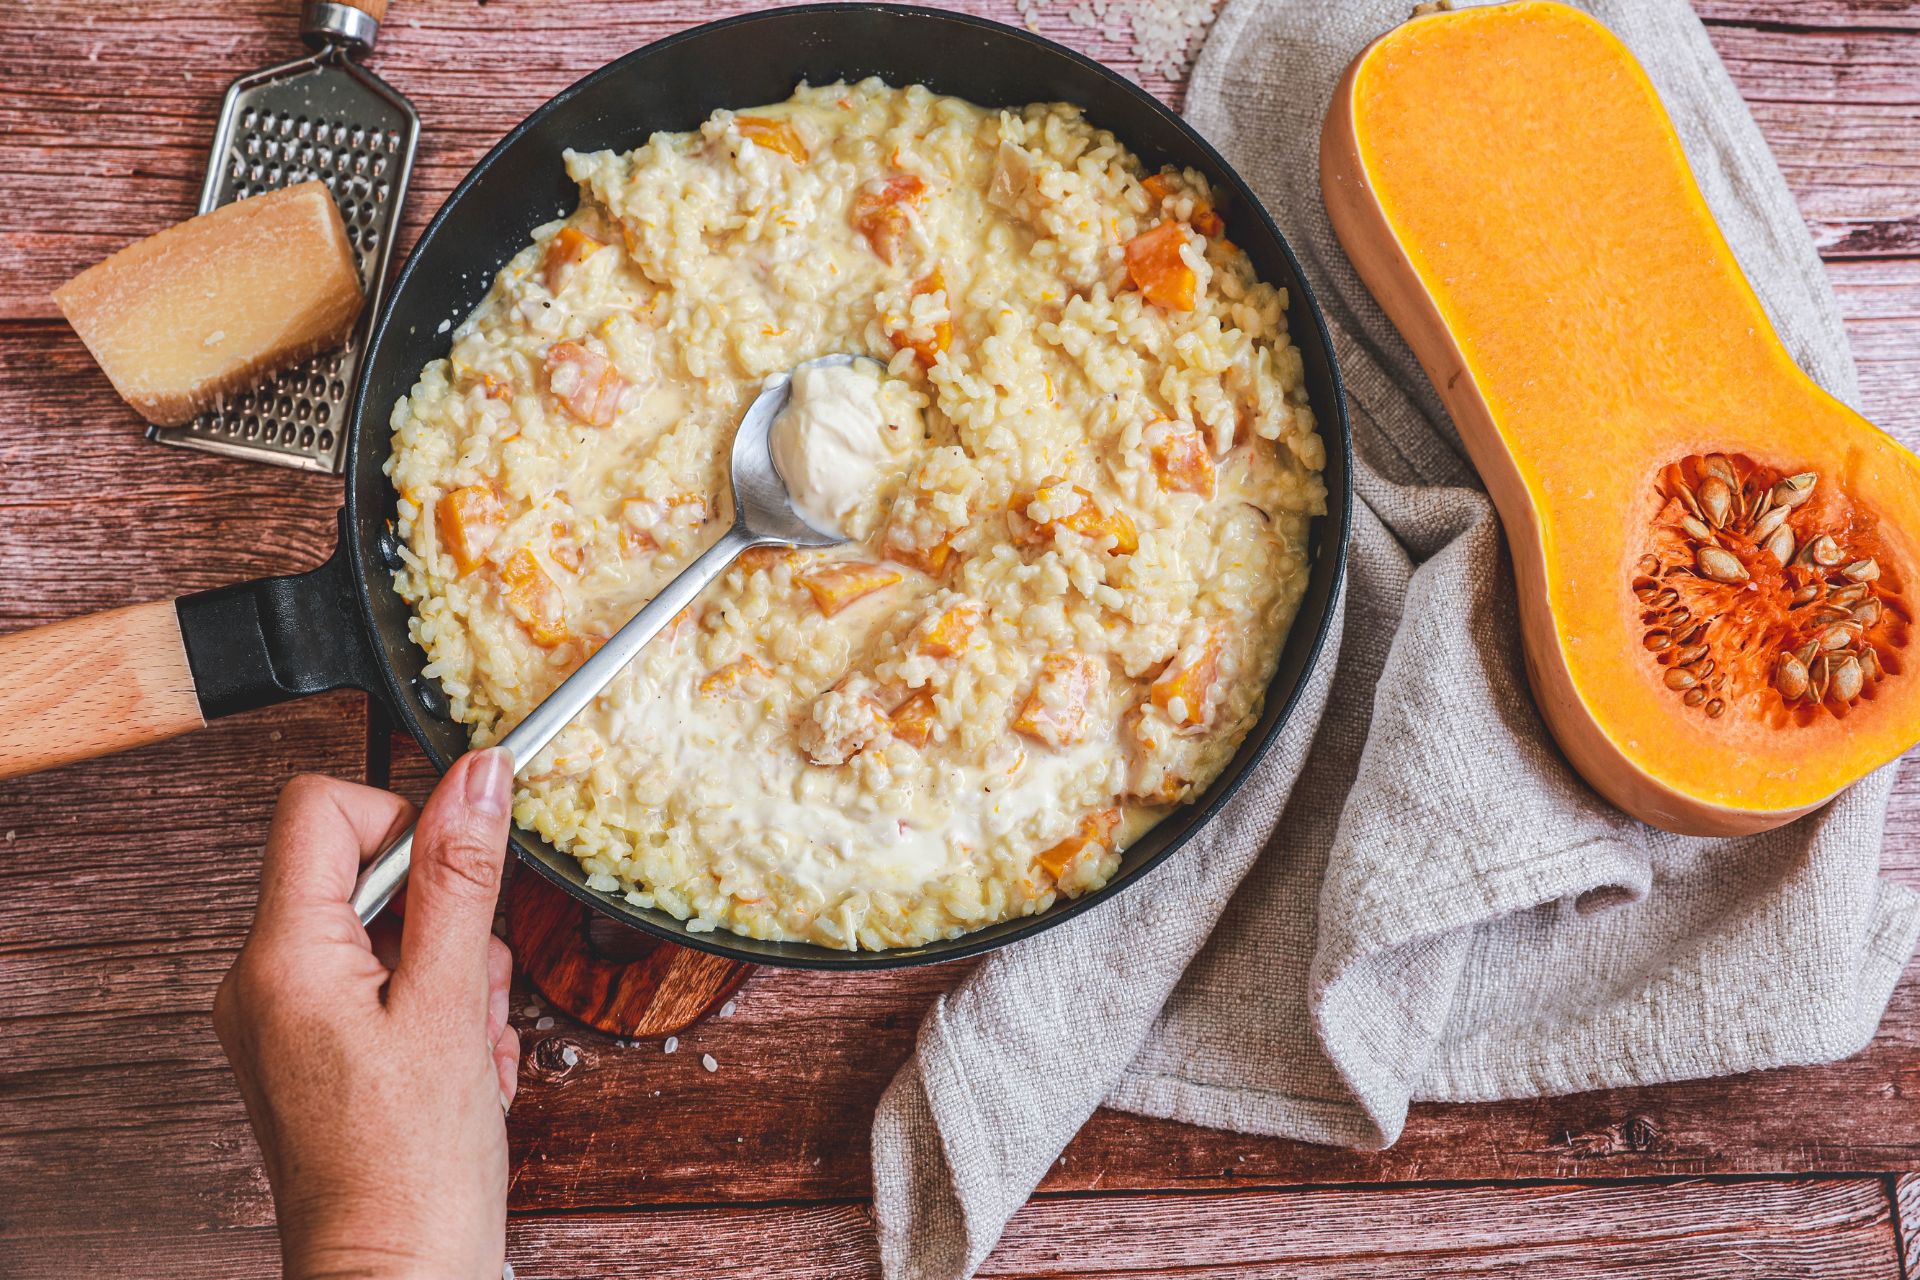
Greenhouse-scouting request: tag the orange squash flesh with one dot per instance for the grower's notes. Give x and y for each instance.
(1510, 188)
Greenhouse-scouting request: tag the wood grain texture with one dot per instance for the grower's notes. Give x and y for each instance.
(1812, 15)
(93, 685)
(94, 517)
(130, 882)
(1835, 1229)
(123, 1147)
(1906, 1208)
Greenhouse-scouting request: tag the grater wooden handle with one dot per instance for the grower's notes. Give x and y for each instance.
(93, 685)
(375, 9)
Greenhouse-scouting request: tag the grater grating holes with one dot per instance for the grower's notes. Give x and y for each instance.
(276, 141)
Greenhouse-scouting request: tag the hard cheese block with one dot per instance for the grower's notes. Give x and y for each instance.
(215, 303)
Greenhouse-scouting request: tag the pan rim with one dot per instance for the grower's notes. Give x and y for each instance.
(801, 955)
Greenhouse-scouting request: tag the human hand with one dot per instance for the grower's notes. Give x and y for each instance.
(377, 1086)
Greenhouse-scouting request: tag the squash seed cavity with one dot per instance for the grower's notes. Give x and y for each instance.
(1764, 588)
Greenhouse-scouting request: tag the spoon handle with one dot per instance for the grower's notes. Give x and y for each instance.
(381, 879)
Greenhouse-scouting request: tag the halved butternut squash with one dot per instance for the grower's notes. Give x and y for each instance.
(1716, 559)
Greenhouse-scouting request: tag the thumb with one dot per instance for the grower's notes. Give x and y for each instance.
(459, 847)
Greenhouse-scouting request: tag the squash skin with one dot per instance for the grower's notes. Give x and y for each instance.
(1573, 546)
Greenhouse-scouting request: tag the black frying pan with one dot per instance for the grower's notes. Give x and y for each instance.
(342, 625)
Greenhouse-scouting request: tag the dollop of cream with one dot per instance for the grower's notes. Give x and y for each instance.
(833, 441)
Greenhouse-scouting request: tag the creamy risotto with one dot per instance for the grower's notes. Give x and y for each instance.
(1077, 484)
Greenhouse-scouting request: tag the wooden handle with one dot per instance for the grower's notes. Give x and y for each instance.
(375, 9)
(92, 686)
(663, 990)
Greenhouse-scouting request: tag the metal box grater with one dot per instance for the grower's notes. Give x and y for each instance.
(319, 117)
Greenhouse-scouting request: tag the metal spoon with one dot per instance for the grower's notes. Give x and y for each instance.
(763, 515)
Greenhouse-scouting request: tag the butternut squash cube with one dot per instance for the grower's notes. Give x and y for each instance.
(913, 720)
(1181, 458)
(1158, 270)
(941, 337)
(728, 679)
(569, 247)
(949, 633)
(1071, 507)
(878, 214)
(928, 560)
(1181, 690)
(1096, 832)
(1055, 710)
(835, 586)
(774, 135)
(585, 382)
(468, 520)
(533, 598)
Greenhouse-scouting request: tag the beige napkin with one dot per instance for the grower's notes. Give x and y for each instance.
(1414, 898)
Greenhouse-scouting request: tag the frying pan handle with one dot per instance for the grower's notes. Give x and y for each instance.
(108, 682)
(93, 685)
(274, 639)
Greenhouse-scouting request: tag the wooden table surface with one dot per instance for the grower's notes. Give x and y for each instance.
(123, 1145)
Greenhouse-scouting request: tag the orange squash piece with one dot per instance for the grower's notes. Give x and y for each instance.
(913, 720)
(950, 632)
(563, 543)
(942, 337)
(931, 561)
(879, 215)
(727, 679)
(774, 135)
(533, 598)
(585, 382)
(1072, 508)
(569, 247)
(1096, 832)
(1158, 270)
(1181, 690)
(835, 586)
(756, 558)
(1180, 458)
(1715, 557)
(468, 520)
(1055, 710)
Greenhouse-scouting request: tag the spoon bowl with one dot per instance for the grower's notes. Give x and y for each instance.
(760, 497)
(763, 516)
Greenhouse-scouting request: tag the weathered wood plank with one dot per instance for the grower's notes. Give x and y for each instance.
(1841, 112)
(1813, 15)
(1906, 1209)
(92, 516)
(1881, 303)
(1758, 1229)
(130, 882)
(1838, 1229)
(117, 1034)
(156, 850)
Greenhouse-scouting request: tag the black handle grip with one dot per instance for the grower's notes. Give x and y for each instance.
(273, 639)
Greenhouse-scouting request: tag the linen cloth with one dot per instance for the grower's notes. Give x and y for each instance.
(1413, 897)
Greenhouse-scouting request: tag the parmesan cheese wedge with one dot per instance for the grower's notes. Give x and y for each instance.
(219, 301)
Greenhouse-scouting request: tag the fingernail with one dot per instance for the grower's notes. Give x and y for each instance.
(490, 782)
(506, 1103)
